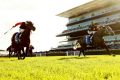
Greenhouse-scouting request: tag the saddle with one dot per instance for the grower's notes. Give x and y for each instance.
(17, 37)
(87, 39)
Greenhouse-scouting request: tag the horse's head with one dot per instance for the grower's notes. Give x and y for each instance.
(108, 30)
(30, 25)
(103, 31)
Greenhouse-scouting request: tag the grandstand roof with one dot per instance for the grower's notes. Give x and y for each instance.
(85, 8)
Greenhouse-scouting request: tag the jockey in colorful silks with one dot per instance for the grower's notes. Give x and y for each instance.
(92, 30)
(22, 27)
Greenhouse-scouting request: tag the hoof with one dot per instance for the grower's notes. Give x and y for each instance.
(114, 55)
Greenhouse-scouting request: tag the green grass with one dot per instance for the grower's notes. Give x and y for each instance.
(61, 68)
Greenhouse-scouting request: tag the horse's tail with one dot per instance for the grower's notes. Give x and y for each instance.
(8, 48)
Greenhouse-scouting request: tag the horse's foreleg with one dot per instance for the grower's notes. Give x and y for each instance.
(105, 46)
(23, 53)
(27, 50)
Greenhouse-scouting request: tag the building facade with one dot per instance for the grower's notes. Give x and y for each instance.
(103, 12)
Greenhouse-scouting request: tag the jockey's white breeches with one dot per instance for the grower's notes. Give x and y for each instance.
(91, 32)
(21, 30)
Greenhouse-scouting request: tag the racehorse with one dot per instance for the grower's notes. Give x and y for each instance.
(11, 50)
(24, 41)
(31, 50)
(97, 40)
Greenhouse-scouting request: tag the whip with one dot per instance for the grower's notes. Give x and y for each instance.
(8, 31)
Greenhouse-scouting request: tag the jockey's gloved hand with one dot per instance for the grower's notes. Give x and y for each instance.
(14, 26)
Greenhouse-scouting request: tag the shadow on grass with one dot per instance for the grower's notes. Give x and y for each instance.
(66, 58)
(6, 59)
(14, 60)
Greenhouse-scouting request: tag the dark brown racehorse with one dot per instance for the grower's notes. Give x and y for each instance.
(31, 50)
(97, 41)
(24, 41)
(11, 51)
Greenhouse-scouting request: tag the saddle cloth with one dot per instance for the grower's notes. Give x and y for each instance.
(17, 37)
(87, 39)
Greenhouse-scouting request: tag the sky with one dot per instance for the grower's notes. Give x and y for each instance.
(43, 13)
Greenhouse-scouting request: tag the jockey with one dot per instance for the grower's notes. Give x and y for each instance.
(22, 27)
(92, 30)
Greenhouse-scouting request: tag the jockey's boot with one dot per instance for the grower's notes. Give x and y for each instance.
(91, 42)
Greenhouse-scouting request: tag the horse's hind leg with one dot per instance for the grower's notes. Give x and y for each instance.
(9, 54)
(79, 54)
(83, 53)
(19, 55)
(105, 46)
(23, 53)
(27, 50)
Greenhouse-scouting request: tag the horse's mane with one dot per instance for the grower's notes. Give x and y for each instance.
(100, 32)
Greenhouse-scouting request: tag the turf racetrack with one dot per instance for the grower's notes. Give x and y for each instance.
(95, 67)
